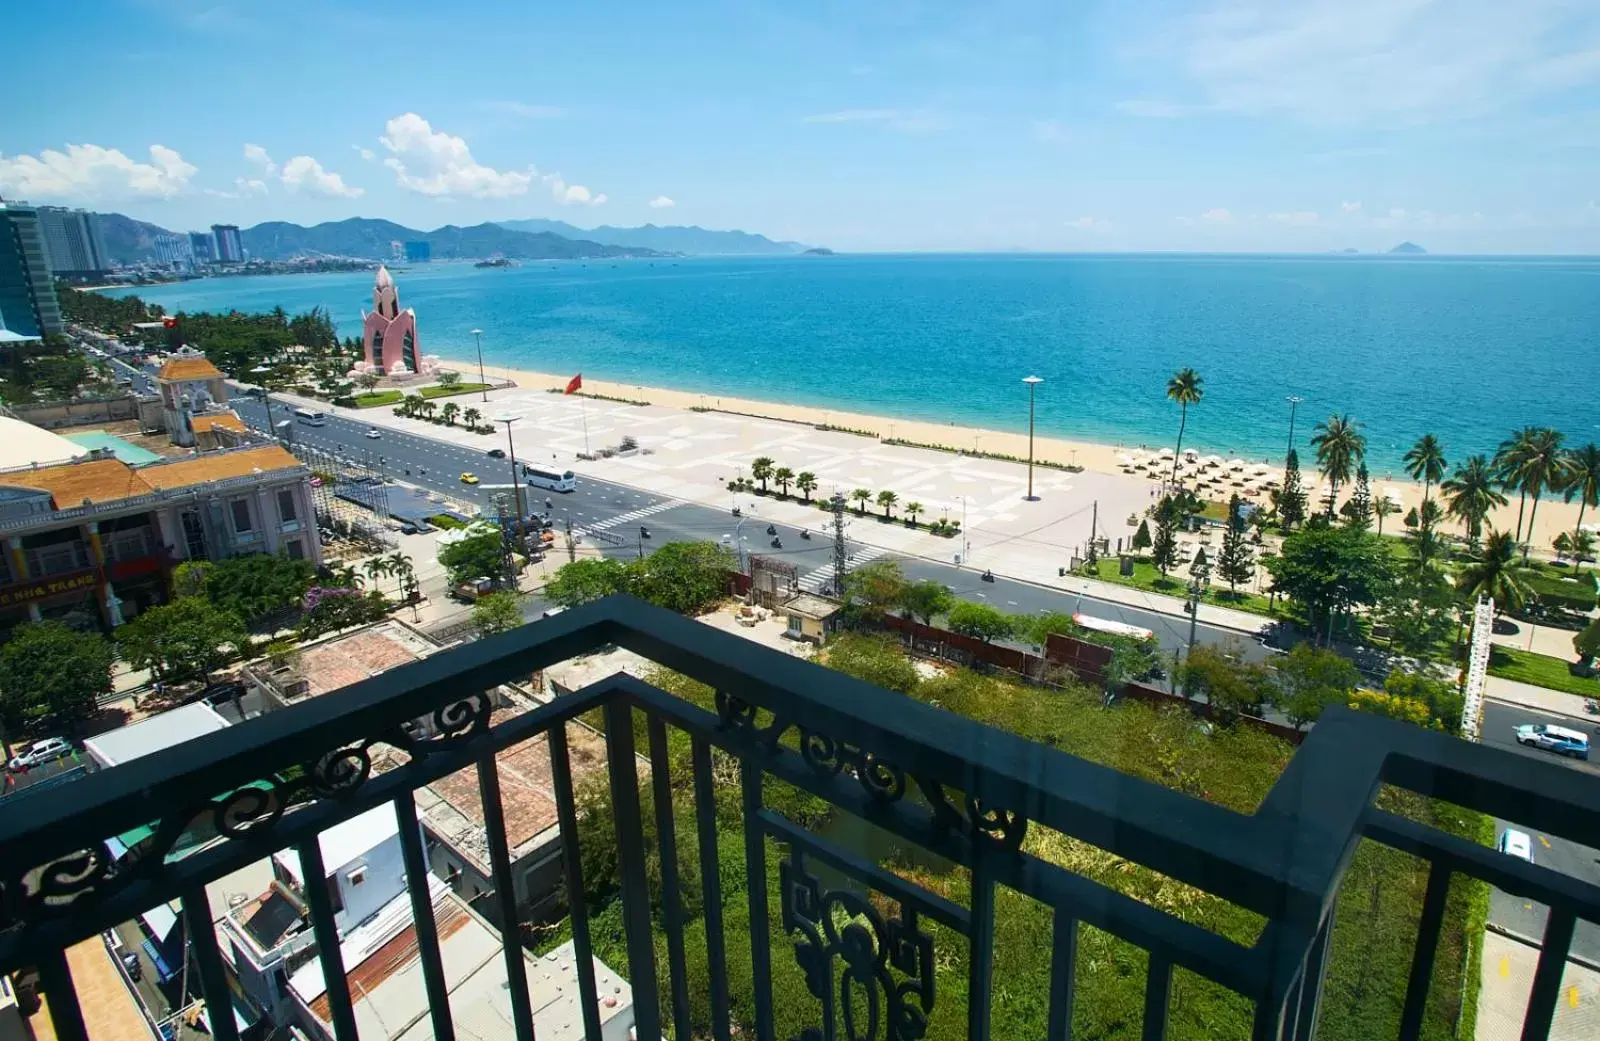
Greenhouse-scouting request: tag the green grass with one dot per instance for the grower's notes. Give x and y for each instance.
(445, 392)
(377, 398)
(1146, 577)
(1539, 669)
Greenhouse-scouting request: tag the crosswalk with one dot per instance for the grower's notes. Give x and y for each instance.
(816, 580)
(631, 515)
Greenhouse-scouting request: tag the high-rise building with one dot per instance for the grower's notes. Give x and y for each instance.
(230, 246)
(174, 251)
(72, 243)
(418, 252)
(202, 247)
(27, 292)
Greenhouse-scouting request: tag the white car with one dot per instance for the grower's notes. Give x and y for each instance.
(372, 433)
(40, 752)
(1514, 843)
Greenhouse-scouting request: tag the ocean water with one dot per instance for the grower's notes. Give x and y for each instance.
(1465, 348)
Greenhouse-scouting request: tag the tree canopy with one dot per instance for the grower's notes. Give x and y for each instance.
(181, 640)
(982, 621)
(477, 552)
(497, 613)
(686, 577)
(52, 673)
(1327, 569)
(582, 581)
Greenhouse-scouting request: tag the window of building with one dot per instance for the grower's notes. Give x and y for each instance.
(286, 505)
(408, 351)
(241, 514)
(358, 876)
(295, 550)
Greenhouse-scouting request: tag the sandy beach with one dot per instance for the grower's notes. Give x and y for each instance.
(1554, 515)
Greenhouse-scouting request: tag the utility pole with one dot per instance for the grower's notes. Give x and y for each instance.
(1033, 383)
(572, 547)
(840, 554)
(1094, 529)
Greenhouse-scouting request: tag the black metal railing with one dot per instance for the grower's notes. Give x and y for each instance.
(960, 790)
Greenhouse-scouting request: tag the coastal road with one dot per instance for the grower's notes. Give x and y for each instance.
(1513, 912)
(620, 510)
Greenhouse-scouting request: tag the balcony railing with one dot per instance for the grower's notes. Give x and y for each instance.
(967, 793)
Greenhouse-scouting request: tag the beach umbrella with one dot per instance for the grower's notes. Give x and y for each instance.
(1125, 459)
(1262, 468)
(1236, 464)
(1165, 453)
(1213, 460)
(1394, 495)
(1191, 453)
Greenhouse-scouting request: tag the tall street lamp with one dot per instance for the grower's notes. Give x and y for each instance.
(516, 485)
(477, 334)
(1033, 383)
(1294, 403)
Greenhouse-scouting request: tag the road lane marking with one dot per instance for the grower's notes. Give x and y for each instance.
(1505, 966)
(1545, 841)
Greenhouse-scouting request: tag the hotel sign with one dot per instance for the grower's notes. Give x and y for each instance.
(42, 588)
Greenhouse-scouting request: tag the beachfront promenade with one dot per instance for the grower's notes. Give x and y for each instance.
(692, 455)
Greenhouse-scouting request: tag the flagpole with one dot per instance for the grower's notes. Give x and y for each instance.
(583, 410)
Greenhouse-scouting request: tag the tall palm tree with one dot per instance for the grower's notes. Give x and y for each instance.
(1538, 464)
(887, 499)
(1341, 448)
(400, 568)
(1493, 573)
(761, 469)
(806, 481)
(912, 509)
(377, 567)
(1470, 494)
(1508, 459)
(449, 413)
(783, 475)
(861, 496)
(1184, 388)
(1425, 462)
(1583, 480)
(1382, 507)
(471, 416)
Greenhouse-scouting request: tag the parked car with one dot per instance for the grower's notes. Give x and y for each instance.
(497, 453)
(40, 752)
(1514, 843)
(1550, 738)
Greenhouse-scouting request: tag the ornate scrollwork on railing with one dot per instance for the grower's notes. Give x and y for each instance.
(449, 725)
(879, 778)
(1001, 828)
(739, 715)
(887, 978)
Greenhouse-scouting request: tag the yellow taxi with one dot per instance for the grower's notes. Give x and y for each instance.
(469, 478)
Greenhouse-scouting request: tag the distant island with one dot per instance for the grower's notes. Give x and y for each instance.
(1408, 247)
(668, 238)
(819, 251)
(495, 262)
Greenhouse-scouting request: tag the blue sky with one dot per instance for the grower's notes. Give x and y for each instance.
(1466, 125)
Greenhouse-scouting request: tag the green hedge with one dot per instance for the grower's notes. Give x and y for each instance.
(377, 398)
(459, 388)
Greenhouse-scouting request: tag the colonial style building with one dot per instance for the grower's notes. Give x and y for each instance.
(92, 540)
(191, 387)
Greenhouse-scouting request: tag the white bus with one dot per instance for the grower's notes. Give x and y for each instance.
(1102, 625)
(545, 477)
(311, 417)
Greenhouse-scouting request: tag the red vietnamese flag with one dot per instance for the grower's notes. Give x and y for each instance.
(573, 384)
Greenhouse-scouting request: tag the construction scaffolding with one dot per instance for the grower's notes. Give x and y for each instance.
(348, 492)
(772, 581)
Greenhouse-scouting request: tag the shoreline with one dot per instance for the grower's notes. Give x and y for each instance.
(1554, 514)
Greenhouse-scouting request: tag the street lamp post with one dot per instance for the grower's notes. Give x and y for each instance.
(1294, 403)
(477, 334)
(516, 485)
(1033, 383)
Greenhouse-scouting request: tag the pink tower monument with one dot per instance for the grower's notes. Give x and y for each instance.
(389, 335)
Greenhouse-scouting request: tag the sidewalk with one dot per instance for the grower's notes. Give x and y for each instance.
(1547, 640)
(1541, 699)
(1508, 967)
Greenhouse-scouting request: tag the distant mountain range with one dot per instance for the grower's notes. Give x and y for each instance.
(1408, 247)
(672, 239)
(128, 241)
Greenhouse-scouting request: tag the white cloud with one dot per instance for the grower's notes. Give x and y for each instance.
(523, 110)
(365, 153)
(258, 156)
(305, 173)
(90, 173)
(919, 121)
(572, 194)
(1297, 218)
(435, 163)
(1217, 215)
(1350, 207)
(661, 202)
(1385, 61)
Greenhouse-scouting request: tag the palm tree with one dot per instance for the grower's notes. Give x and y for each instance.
(1493, 573)
(783, 475)
(378, 567)
(1185, 388)
(911, 510)
(887, 499)
(806, 481)
(1470, 494)
(449, 413)
(428, 408)
(471, 416)
(1507, 464)
(399, 566)
(1341, 448)
(1425, 462)
(1583, 480)
(1536, 463)
(761, 469)
(1382, 507)
(862, 496)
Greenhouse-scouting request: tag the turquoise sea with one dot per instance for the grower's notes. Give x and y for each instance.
(1467, 348)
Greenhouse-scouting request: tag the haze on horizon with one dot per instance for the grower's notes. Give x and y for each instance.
(1468, 126)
